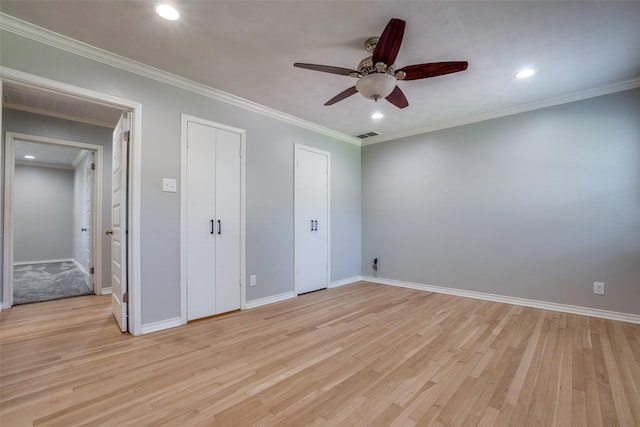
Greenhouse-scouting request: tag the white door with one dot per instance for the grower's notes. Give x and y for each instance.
(88, 216)
(227, 236)
(119, 222)
(213, 204)
(311, 218)
(201, 221)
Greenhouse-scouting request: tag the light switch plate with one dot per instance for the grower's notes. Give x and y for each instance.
(169, 185)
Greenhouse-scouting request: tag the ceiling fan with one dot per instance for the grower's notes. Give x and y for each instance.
(377, 75)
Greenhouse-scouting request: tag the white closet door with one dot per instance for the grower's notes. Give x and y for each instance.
(311, 220)
(227, 270)
(321, 217)
(201, 204)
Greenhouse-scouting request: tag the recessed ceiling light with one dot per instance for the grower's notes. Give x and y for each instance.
(523, 74)
(377, 116)
(30, 157)
(167, 11)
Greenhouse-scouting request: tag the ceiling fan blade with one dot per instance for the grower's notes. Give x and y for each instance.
(433, 69)
(326, 69)
(342, 95)
(397, 98)
(389, 43)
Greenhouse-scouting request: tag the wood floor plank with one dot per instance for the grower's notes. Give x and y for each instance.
(360, 354)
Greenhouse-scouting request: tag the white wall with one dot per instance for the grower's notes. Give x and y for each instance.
(537, 205)
(43, 213)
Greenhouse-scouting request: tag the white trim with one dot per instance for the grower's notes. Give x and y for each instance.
(185, 119)
(44, 261)
(347, 281)
(106, 291)
(43, 165)
(42, 35)
(536, 105)
(270, 300)
(76, 161)
(296, 147)
(545, 305)
(161, 325)
(80, 266)
(135, 167)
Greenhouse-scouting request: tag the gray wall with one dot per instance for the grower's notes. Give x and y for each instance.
(43, 213)
(537, 205)
(39, 125)
(269, 177)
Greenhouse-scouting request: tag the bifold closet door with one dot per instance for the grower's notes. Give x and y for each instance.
(201, 226)
(227, 221)
(311, 219)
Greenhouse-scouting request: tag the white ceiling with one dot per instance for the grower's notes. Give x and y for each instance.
(247, 48)
(46, 155)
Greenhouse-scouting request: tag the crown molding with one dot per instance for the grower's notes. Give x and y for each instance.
(536, 105)
(50, 38)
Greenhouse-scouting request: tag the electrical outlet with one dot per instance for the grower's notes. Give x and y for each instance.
(252, 280)
(598, 288)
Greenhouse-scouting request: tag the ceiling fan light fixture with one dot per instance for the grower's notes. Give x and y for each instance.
(377, 116)
(525, 73)
(376, 86)
(167, 11)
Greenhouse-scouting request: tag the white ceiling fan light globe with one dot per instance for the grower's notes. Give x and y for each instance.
(376, 86)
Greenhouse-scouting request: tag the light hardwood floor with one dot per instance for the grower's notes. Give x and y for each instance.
(362, 354)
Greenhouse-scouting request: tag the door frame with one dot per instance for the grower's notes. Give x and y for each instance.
(10, 75)
(185, 119)
(9, 186)
(296, 147)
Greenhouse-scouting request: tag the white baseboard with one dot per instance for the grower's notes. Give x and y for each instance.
(80, 267)
(161, 325)
(270, 300)
(44, 261)
(585, 311)
(346, 281)
(105, 291)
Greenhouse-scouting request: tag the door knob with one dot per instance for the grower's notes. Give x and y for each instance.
(108, 232)
(83, 229)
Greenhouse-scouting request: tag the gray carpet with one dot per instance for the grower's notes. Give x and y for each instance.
(44, 282)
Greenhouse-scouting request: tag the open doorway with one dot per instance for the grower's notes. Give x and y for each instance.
(57, 208)
(51, 100)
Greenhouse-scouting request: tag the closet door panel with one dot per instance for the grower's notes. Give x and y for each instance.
(311, 220)
(227, 221)
(321, 215)
(200, 212)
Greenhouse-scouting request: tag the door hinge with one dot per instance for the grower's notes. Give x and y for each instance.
(93, 166)
(126, 136)
(93, 271)
(125, 297)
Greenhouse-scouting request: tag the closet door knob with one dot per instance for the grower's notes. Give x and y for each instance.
(316, 221)
(311, 225)
(211, 227)
(108, 232)
(219, 227)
